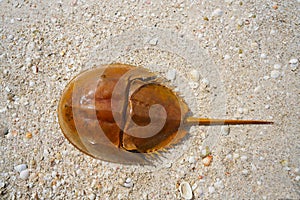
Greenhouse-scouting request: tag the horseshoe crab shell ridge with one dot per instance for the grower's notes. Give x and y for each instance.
(94, 113)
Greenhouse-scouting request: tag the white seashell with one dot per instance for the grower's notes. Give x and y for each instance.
(217, 13)
(128, 183)
(275, 74)
(195, 75)
(294, 64)
(293, 61)
(2, 185)
(153, 41)
(225, 130)
(20, 167)
(186, 190)
(205, 82)
(192, 160)
(171, 74)
(24, 174)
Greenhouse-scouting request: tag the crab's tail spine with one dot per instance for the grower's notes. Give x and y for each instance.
(211, 122)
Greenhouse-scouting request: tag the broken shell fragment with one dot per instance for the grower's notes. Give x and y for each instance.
(186, 190)
(207, 160)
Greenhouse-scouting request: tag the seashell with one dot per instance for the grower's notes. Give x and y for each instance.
(24, 174)
(186, 190)
(207, 160)
(195, 75)
(20, 167)
(120, 113)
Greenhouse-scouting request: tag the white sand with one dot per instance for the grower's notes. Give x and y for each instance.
(247, 54)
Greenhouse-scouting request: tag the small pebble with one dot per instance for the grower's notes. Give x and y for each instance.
(92, 196)
(254, 45)
(171, 74)
(272, 32)
(34, 69)
(267, 106)
(297, 178)
(207, 160)
(200, 192)
(257, 89)
(192, 159)
(193, 85)
(225, 130)
(20, 167)
(219, 184)
(31, 83)
(236, 155)
(229, 156)
(28, 61)
(263, 55)
(10, 37)
(240, 22)
(275, 74)
(240, 110)
(194, 186)
(28, 135)
(79, 172)
(2, 184)
(128, 183)
(244, 158)
(53, 174)
(62, 53)
(294, 64)
(5, 71)
(204, 151)
(5, 131)
(153, 41)
(211, 189)
(32, 163)
(275, 6)
(24, 174)
(226, 57)
(195, 75)
(128, 180)
(245, 110)
(258, 182)
(217, 13)
(253, 167)
(293, 61)
(168, 165)
(261, 158)
(277, 66)
(245, 171)
(7, 89)
(31, 46)
(205, 82)
(287, 168)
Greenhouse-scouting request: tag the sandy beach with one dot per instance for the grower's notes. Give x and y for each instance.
(227, 59)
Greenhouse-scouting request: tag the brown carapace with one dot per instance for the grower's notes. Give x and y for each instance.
(119, 113)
